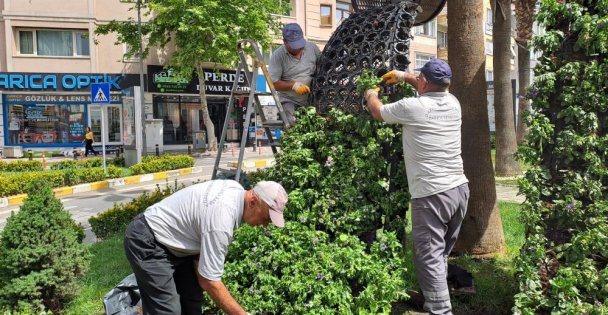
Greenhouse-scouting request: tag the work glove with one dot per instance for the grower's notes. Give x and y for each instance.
(369, 92)
(394, 77)
(300, 88)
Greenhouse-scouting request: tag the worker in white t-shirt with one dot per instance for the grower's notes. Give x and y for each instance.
(435, 174)
(178, 246)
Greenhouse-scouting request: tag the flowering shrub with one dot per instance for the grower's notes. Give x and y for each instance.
(562, 267)
(341, 251)
(20, 166)
(297, 270)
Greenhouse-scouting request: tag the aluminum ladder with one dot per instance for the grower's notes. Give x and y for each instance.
(253, 104)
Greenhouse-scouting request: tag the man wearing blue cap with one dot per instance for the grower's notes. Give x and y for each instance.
(291, 69)
(440, 193)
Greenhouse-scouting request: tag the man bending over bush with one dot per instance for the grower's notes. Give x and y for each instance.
(163, 244)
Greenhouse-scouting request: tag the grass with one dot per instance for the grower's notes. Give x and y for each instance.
(494, 278)
(108, 266)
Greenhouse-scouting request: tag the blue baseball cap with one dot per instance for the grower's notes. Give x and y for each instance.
(292, 33)
(436, 71)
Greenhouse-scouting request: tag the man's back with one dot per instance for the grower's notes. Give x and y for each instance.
(180, 220)
(431, 141)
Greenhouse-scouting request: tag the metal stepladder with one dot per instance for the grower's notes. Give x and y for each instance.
(253, 104)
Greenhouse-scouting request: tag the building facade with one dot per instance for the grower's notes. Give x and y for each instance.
(49, 57)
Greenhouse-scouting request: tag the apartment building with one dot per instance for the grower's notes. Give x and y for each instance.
(49, 57)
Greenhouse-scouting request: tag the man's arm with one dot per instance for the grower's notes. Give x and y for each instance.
(220, 294)
(373, 106)
(283, 85)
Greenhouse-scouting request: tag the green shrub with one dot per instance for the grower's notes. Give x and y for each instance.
(17, 183)
(297, 270)
(344, 173)
(20, 166)
(152, 164)
(88, 163)
(41, 255)
(562, 266)
(116, 219)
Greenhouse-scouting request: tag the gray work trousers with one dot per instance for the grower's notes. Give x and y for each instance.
(167, 283)
(436, 221)
(290, 111)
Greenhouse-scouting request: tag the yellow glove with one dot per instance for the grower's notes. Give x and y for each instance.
(300, 88)
(369, 92)
(394, 77)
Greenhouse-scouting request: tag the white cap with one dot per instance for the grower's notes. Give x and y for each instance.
(275, 196)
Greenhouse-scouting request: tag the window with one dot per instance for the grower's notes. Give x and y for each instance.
(325, 14)
(489, 75)
(442, 40)
(45, 123)
(130, 54)
(428, 29)
(343, 11)
(286, 7)
(489, 48)
(421, 59)
(54, 43)
(489, 21)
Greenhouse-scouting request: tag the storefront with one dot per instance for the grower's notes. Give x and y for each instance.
(176, 101)
(53, 110)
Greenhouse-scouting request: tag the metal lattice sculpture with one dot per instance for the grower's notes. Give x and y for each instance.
(377, 39)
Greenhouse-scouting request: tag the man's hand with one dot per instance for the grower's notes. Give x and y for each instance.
(370, 92)
(300, 88)
(394, 77)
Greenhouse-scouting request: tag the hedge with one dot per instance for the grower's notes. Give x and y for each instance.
(116, 219)
(20, 166)
(17, 183)
(152, 164)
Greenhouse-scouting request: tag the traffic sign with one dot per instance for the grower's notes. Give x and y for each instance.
(100, 93)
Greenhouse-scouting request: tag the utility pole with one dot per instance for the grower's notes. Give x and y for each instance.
(144, 149)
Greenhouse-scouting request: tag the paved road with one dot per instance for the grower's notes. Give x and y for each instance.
(84, 205)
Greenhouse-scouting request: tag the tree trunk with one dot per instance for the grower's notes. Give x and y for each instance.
(525, 12)
(481, 233)
(211, 138)
(506, 141)
(523, 64)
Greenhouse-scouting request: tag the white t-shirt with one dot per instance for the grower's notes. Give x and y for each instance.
(431, 141)
(200, 219)
(284, 66)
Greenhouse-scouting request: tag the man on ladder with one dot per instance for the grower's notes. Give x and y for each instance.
(291, 69)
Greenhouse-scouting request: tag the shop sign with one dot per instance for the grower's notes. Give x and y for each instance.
(10, 81)
(54, 98)
(217, 82)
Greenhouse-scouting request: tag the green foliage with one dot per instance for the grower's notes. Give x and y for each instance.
(87, 163)
(116, 219)
(17, 183)
(366, 80)
(20, 166)
(41, 256)
(341, 251)
(201, 30)
(297, 270)
(345, 173)
(152, 164)
(562, 267)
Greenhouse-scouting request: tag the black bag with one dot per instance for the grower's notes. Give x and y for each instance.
(124, 299)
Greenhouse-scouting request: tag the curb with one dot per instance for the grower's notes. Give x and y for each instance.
(252, 163)
(129, 180)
